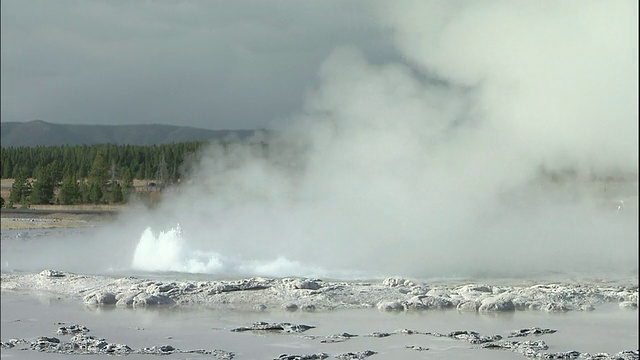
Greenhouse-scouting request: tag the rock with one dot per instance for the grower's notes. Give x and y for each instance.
(48, 339)
(496, 303)
(88, 344)
(100, 298)
(467, 306)
(475, 288)
(155, 350)
(72, 329)
(318, 356)
(530, 331)
(264, 326)
(158, 288)
(308, 308)
(556, 307)
(390, 306)
(418, 290)
(310, 284)
(526, 348)
(290, 307)
(223, 355)
(356, 355)
(627, 355)
(561, 355)
(473, 337)
(117, 349)
(628, 305)
(82, 344)
(337, 338)
(428, 302)
(126, 299)
(416, 347)
(439, 292)
(393, 282)
(167, 348)
(586, 307)
(536, 305)
(145, 300)
(6, 345)
(51, 273)
(377, 334)
(521, 302)
(239, 285)
(46, 344)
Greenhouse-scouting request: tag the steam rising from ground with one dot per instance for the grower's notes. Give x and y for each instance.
(170, 251)
(440, 166)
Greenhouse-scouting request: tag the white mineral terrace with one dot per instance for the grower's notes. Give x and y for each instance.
(392, 294)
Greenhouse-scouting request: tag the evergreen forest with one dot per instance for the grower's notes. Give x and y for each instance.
(90, 174)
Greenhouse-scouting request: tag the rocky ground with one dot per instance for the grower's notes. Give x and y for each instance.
(75, 340)
(308, 295)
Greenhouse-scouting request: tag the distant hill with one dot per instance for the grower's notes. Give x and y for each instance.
(41, 133)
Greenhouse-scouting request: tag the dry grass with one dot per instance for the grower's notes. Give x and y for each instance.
(33, 223)
(84, 207)
(12, 220)
(5, 188)
(57, 216)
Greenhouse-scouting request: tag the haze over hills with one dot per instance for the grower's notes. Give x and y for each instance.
(42, 133)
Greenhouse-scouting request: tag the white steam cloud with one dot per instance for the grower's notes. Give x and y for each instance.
(435, 167)
(557, 80)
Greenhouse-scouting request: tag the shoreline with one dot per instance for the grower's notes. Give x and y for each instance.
(53, 325)
(307, 294)
(54, 217)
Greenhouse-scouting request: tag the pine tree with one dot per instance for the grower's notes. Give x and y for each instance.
(20, 190)
(116, 194)
(127, 179)
(43, 187)
(95, 192)
(69, 191)
(98, 176)
(99, 172)
(84, 192)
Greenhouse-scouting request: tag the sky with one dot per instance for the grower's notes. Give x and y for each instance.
(210, 64)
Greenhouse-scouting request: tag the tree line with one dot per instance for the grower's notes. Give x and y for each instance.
(95, 174)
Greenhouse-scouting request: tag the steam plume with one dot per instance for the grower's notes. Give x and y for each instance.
(442, 165)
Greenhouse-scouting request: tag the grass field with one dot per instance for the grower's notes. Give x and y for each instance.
(52, 216)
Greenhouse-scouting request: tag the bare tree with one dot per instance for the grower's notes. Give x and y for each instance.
(114, 173)
(163, 173)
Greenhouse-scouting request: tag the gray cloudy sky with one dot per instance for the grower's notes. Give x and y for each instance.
(211, 64)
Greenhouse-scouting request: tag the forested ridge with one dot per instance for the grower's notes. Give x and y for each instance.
(90, 174)
(140, 161)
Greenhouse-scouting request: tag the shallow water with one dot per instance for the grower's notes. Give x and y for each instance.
(608, 329)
